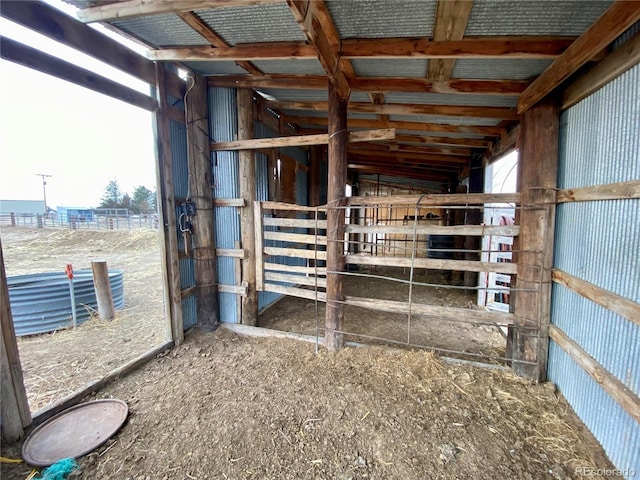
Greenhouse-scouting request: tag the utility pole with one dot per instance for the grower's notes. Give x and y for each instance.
(44, 190)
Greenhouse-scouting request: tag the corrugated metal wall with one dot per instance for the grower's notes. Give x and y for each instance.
(599, 242)
(223, 125)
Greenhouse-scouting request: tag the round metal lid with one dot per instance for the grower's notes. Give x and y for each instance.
(74, 432)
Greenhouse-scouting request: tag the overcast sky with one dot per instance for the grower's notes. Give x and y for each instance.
(82, 138)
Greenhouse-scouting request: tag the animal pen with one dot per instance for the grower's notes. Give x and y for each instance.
(266, 111)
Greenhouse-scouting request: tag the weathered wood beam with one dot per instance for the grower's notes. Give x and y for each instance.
(611, 24)
(394, 171)
(438, 199)
(452, 17)
(321, 139)
(408, 157)
(316, 23)
(609, 191)
(429, 140)
(243, 52)
(503, 145)
(402, 125)
(42, 62)
(404, 109)
(138, 8)
(614, 65)
(622, 395)
(403, 148)
(214, 39)
(469, 47)
(373, 84)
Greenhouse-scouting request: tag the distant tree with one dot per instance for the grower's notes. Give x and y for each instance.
(126, 202)
(112, 196)
(141, 200)
(153, 201)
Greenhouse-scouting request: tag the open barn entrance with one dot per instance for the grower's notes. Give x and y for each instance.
(404, 282)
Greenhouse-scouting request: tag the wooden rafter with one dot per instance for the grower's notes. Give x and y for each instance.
(469, 47)
(137, 8)
(410, 157)
(300, 140)
(214, 39)
(316, 23)
(433, 140)
(452, 17)
(244, 52)
(403, 148)
(402, 125)
(611, 24)
(404, 109)
(373, 84)
(394, 171)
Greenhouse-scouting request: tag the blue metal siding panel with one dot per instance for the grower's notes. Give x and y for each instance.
(189, 312)
(599, 242)
(224, 127)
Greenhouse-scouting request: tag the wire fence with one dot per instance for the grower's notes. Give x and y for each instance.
(80, 222)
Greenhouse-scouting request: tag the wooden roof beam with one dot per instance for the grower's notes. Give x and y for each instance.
(447, 160)
(404, 109)
(138, 8)
(609, 26)
(468, 47)
(197, 24)
(373, 84)
(316, 23)
(241, 52)
(402, 148)
(452, 17)
(394, 171)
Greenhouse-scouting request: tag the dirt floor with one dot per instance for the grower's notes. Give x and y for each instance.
(228, 407)
(474, 341)
(59, 363)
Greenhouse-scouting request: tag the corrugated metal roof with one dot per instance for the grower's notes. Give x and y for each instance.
(216, 68)
(444, 119)
(410, 183)
(390, 67)
(451, 99)
(164, 30)
(500, 68)
(309, 66)
(380, 18)
(256, 23)
(499, 17)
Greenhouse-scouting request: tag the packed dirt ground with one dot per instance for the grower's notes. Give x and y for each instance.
(229, 407)
(58, 363)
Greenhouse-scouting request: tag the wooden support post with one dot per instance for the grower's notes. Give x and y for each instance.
(537, 181)
(167, 211)
(248, 194)
(336, 217)
(14, 407)
(102, 286)
(474, 217)
(200, 182)
(315, 157)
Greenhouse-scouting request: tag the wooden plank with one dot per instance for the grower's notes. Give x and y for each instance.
(42, 62)
(295, 292)
(236, 289)
(231, 252)
(247, 174)
(610, 384)
(401, 148)
(433, 263)
(503, 145)
(614, 65)
(58, 26)
(610, 191)
(167, 213)
(213, 38)
(301, 140)
(296, 279)
(609, 26)
(443, 313)
(15, 414)
(294, 223)
(400, 125)
(295, 253)
(481, 230)
(259, 245)
(409, 158)
(505, 113)
(187, 292)
(292, 207)
(452, 17)
(295, 238)
(278, 267)
(437, 199)
(199, 178)
(229, 202)
(137, 8)
(611, 301)
(317, 25)
(373, 84)
(469, 47)
(539, 132)
(238, 53)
